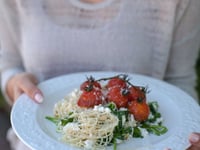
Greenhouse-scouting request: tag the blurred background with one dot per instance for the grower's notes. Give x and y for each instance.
(4, 123)
(5, 111)
(198, 76)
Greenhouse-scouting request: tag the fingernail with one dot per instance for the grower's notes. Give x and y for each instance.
(194, 138)
(39, 98)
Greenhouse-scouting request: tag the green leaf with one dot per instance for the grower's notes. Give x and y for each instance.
(112, 106)
(58, 120)
(114, 144)
(66, 121)
(153, 107)
(137, 133)
(53, 119)
(154, 111)
(155, 129)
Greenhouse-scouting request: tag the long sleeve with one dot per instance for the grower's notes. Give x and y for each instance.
(161, 25)
(185, 46)
(11, 62)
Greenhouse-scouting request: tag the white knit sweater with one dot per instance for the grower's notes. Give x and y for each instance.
(158, 38)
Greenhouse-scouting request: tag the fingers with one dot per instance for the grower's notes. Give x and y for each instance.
(17, 92)
(24, 83)
(192, 148)
(28, 86)
(32, 91)
(194, 140)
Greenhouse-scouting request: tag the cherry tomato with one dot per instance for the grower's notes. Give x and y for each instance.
(89, 85)
(116, 82)
(118, 96)
(140, 110)
(135, 93)
(91, 98)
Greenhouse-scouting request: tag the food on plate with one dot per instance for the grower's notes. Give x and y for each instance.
(106, 111)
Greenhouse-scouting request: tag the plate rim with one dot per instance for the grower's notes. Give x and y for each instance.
(35, 105)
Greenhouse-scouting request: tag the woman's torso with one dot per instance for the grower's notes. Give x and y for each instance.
(120, 36)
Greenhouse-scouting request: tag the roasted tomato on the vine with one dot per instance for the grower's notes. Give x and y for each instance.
(116, 82)
(119, 96)
(136, 93)
(139, 109)
(91, 98)
(90, 84)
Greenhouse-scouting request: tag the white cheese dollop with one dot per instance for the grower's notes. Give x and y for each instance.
(89, 144)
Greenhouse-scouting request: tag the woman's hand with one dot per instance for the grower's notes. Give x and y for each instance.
(194, 140)
(24, 83)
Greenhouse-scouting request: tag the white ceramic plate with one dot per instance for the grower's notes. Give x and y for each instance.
(180, 113)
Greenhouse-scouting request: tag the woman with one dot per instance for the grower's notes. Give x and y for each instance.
(42, 39)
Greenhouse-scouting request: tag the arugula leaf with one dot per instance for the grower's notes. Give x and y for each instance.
(137, 133)
(155, 129)
(53, 119)
(66, 121)
(153, 107)
(114, 144)
(58, 120)
(112, 106)
(154, 111)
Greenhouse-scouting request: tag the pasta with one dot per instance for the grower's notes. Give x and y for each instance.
(90, 127)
